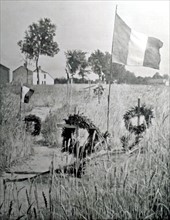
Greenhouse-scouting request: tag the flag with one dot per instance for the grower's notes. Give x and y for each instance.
(26, 94)
(134, 48)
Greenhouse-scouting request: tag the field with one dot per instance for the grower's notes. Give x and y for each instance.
(120, 186)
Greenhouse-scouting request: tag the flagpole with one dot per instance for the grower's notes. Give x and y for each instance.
(20, 101)
(108, 109)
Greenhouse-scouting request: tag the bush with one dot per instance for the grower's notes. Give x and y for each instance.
(49, 130)
(51, 133)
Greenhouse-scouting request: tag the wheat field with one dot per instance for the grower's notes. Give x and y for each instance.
(121, 186)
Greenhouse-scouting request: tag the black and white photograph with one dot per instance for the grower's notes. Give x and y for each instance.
(84, 110)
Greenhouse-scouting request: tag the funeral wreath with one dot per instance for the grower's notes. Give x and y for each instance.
(35, 122)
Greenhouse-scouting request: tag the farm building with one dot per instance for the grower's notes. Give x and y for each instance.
(4, 74)
(23, 75)
(26, 76)
(45, 78)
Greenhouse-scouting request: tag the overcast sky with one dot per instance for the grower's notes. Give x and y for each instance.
(85, 25)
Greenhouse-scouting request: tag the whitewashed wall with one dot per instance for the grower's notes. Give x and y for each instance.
(48, 80)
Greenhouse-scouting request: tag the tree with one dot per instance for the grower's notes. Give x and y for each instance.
(83, 65)
(107, 66)
(97, 62)
(76, 61)
(83, 71)
(119, 72)
(39, 40)
(130, 77)
(157, 76)
(166, 76)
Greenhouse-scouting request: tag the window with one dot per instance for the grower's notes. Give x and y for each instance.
(44, 82)
(44, 76)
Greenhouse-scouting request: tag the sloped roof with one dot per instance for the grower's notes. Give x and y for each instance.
(23, 67)
(44, 72)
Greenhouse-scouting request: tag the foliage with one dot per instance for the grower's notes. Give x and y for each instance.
(97, 62)
(76, 80)
(81, 121)
(80, 81)
(107, 65)
(60, 80)
(166, 76)
(39, 40)
(157, 76)
(50, 132)
(76, 61)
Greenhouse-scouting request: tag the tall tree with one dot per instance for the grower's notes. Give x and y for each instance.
(39, 40)
(107, 66)
(83, 65)
(96, 61)
(76, 61)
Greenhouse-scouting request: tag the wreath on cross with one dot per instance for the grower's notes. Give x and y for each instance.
(35, 121)
(147, 112)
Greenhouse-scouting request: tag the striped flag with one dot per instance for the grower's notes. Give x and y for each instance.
(134, 48)
(26, 94)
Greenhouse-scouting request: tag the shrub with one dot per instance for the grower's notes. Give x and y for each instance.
(51, 133)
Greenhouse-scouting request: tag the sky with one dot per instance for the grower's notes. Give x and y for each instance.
(83, 25)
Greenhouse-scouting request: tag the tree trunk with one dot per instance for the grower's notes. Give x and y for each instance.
(83, 78)
(38, 76)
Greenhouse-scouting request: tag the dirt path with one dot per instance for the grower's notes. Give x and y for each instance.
(40, 161)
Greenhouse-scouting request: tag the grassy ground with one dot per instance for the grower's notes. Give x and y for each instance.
(114, 187)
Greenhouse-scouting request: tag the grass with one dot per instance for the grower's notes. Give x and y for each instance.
(114, 187)
(13, 141)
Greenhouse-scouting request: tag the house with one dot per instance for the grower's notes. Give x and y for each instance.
(23, 75)
(4, 74)
(45, 78)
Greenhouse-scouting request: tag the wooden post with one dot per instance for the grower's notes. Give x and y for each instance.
(67, 93)
(138, 111)
(20, 108)
(68, 82)
(25, 134)
(89, 83)
(70, 94)
(108, 110)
